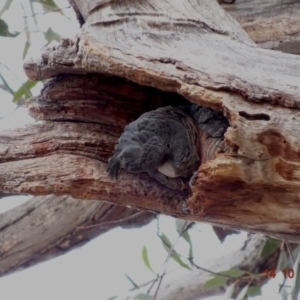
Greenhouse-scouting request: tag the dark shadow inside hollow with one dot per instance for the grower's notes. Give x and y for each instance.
(96, 98)
(113, 103)
(254, 117)
(166, 137)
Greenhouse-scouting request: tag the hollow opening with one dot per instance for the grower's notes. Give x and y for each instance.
(254, 117)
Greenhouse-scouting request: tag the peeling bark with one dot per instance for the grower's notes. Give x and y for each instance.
(186, 52)
(255, 88)
(46, 227)
(271, 24)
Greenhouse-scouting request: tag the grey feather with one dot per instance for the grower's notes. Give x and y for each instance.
(212, 122)
(165, 143)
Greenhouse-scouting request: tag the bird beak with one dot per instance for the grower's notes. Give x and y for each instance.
(167, 169)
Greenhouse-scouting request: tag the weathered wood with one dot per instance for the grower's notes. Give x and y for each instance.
(113, 46)
(46, 227)
(58, 155)
(182, 48)
(255, 187)
(271, 24)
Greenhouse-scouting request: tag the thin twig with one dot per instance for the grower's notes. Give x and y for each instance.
(111, 222)
(47, 12)
(168, 258)
(288, 247)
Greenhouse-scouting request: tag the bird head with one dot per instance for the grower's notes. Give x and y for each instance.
(183, 158)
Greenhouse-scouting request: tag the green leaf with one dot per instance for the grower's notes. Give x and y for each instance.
(283, 262)
(255, 276)
(146, 259)
(187, 237)
(112, 298)
(254, 291)
(270, 246)
(229, 291)
(167, 245)
(143, 297)
(165, 241)
(242, 293)
(7, 87)
(235, 273)
(179, 225)
(48, 5)
(4, 30)
(296, 253)
(215, 282)
(26, 47)
(296, 280)
(131, 281)
(177, 258)
(24, 90)
(5, 7)
(50, 36)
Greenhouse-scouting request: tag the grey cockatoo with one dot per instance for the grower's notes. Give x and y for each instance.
(165, 143)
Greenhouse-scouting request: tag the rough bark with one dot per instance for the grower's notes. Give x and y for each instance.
(258, 90)
(3, 195)
(271, 24)
(48, 226)
(238, 78)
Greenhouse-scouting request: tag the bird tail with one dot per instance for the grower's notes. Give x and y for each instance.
(113, 168)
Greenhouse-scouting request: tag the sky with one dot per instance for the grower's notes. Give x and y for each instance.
(96, 270)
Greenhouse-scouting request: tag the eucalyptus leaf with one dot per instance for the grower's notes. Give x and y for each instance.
(270, 246)
(4, 31)
(177, 258)
(165, 241)
(283, 262)
(229, 291)
(241, 295)
(48, 5)
(51, 35)
(131, 281)
(143, 297)
(179, 225)
(255, 276)
(24, 90)
(146, 258)
(167, 245)
(7, 88)
(254, 291)
(215, 282)
(187, 237)
(235, 273)
(296, 253)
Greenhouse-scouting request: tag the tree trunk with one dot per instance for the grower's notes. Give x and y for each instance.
(271, 24)
(46, 227)
(188, 53)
